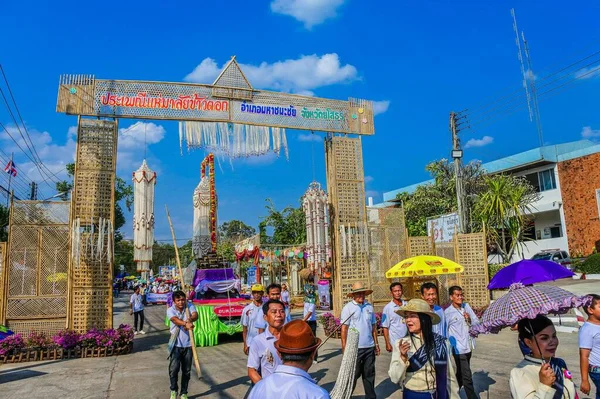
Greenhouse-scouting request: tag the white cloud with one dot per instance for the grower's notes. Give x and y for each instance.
(309, 12)
(299, 76)
(369, 179)
(482, 142)
(309, 137)
(379, 107)
(130, 150)
(587, 73)
(53, 155)
(587, 132)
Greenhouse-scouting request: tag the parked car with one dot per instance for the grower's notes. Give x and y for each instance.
(555, 255)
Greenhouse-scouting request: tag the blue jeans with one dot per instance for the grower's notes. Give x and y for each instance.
(408, 394)
(595, 377)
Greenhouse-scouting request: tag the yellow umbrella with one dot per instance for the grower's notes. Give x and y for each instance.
(56, 277)
(424, 265)
(130, 278)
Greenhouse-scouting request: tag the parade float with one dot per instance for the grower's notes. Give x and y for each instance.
(216, 289)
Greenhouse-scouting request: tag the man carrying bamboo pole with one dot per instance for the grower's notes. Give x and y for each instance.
(180, 354)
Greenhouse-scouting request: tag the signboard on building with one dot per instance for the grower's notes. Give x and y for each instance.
(443, 227)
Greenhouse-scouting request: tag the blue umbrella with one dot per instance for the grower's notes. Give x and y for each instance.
(528, 272)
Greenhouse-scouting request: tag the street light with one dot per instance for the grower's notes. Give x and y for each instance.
(56, 195)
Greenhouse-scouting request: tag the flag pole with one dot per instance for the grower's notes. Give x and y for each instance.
(12, 154)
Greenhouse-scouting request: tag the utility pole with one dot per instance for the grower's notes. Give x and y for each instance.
(457, 155)
(33, 191)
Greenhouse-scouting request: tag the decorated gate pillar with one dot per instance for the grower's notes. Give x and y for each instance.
(92, 220)
(346, 191)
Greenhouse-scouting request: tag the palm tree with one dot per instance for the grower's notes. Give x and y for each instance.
(504, 207)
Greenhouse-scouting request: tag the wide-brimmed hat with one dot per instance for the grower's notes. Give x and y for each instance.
(359, 287)
(419, 306)
(296, 337)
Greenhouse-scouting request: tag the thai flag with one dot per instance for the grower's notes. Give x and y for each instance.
(11, 168)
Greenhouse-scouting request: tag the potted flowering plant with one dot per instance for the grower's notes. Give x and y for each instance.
(68, 341)
(125, 338)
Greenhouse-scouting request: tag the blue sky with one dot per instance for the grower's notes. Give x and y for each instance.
(418, 60)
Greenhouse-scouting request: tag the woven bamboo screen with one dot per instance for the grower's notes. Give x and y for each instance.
(346, 189)
(387, 246)
(472, 255)
(35, 275)
(93, 198)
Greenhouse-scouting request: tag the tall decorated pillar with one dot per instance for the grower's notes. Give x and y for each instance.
(314, 204)
(144, 180)
(205, 211)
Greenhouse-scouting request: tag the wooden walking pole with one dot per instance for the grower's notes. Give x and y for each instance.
(187, 311)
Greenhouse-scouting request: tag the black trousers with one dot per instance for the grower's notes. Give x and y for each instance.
(365, 367)
(313, 327)
(138, 315)
(181, 358)
(463, 374)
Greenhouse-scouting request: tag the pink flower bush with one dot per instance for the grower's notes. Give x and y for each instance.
(67, 339)
(329, 322)
(38, 340)
(11, 344)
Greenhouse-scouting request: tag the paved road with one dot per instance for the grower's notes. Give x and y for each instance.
(143, 374)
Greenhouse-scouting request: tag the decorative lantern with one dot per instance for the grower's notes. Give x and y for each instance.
(144, 180)
(314, 204)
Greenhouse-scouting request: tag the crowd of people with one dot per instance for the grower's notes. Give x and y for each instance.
(431, 346)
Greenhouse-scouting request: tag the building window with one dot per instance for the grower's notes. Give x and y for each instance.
(547, 181)
(555, 232)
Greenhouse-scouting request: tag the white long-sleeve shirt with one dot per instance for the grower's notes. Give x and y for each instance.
(525, 382)
(423, 379)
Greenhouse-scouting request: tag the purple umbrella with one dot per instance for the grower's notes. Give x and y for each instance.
(528, 272)
(526, 303)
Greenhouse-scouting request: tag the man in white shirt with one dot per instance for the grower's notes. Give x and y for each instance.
(459, 318)
(263, 357)
(253, 322)
(137, 310)
(180, 356)
(393, 324)
(429, 293)
(296, 346)
(360, 314)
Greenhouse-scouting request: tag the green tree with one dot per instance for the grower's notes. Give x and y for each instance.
(289, 225)
(504, 209)
(226, 250)
(123, 194)
(439, 197)
(235, 230)
(124, 256)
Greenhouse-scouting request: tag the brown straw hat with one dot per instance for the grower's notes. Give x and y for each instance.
(359, 287)
(296, 337)
(419, 306)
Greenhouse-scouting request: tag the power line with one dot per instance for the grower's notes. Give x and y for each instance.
(511, 97)
(34, 152)
(504, 108)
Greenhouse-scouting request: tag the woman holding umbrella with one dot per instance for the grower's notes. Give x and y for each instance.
(540, 375)
(421, 362)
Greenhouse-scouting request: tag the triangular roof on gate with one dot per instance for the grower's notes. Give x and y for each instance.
(232, 76)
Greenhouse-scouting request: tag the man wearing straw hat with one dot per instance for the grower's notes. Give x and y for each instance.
(360, 314)
(296, 346)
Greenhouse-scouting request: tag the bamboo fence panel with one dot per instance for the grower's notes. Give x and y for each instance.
(34, 278)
